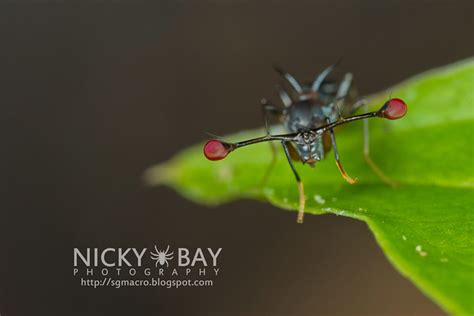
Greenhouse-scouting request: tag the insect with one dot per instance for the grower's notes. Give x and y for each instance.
(309, 114)
(161, 256)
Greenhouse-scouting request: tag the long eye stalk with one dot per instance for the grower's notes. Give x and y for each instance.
(393, 109)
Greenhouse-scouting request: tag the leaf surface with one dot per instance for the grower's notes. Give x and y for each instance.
(424, 226)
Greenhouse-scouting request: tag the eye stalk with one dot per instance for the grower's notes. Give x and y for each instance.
(393, 109)
(216, 149)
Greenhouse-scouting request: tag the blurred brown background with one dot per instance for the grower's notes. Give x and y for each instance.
(94, 92)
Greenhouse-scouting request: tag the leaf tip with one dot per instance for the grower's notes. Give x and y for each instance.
(156, 175)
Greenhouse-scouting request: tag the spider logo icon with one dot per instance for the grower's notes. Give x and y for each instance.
(161, 256)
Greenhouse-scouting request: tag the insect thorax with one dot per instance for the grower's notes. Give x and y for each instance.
(303, 116)
(307, 115)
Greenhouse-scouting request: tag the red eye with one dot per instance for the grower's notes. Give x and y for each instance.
(393, 109)
(216, 150)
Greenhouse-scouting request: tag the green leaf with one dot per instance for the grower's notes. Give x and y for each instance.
(424, 226)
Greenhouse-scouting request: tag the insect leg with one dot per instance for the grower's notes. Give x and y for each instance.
(345, 85)
(367, 158)
(342, 93)
(358, 104)
(269, 108)
(318, 82)
(338, 161)
(284, 96)
(321, 78)
(299, 219)
(289, 78)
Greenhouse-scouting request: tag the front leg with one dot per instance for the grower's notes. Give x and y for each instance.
(299, 219)
(338, 161)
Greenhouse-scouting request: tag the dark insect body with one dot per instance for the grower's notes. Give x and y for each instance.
(310, 114)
